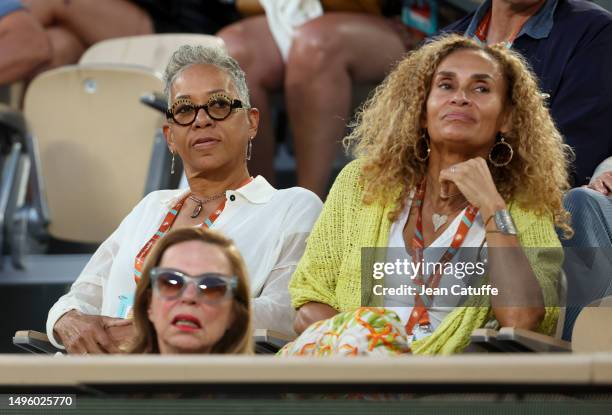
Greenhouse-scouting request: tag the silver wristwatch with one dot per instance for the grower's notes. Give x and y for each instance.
(504, 222)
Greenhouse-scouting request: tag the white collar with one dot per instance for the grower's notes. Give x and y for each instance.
(257, 191)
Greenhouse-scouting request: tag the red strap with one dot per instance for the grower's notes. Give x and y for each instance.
(419, 313)
(483, 27)
(167, 224)
(163, 228)
(482, 30)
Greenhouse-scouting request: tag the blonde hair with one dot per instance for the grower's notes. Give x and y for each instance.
(237, 339)
(388, 128)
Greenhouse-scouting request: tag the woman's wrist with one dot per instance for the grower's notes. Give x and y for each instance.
(488, 212)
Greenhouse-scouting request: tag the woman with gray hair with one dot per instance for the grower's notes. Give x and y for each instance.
(210, 126)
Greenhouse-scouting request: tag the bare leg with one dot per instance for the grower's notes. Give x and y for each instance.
(92, 20)
(67, 48)
(328, 54)
(24, 46)
(252, 45)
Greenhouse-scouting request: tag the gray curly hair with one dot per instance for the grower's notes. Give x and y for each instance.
(188, 55)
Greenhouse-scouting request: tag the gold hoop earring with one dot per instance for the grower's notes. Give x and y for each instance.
(416, 150)
(495, 161)
(249, 149)
(172, 164)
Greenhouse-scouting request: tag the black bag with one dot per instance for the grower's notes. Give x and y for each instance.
(189, 16)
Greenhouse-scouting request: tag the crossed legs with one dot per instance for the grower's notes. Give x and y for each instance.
(327, 56)
(250, 42)
(74, 25)
(24, 47)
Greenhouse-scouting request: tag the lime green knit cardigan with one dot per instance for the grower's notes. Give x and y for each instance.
(330, 270)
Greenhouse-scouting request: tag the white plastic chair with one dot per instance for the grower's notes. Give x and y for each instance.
(151, 51)
(95, 141)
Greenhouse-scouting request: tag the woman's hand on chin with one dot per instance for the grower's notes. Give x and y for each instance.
(473, 179)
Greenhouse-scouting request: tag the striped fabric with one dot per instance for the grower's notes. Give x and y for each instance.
(588, 264)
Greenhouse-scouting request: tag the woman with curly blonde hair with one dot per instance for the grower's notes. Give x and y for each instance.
(455, 149)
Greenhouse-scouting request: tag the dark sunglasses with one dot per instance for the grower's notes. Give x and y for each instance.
(212, 288)
(219, 107)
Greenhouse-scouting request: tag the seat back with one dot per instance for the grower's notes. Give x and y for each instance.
(592, 328)
(151, 51)
(95, 141)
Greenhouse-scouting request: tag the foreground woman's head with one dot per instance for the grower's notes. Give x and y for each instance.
(193, 296)
(455, 93)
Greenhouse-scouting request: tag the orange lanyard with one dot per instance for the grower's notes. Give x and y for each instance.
(419, 313)
(167, 223)
(483, 29)
(163, 229)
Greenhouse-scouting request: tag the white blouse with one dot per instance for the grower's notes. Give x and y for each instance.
(402, 305)
(268, 226)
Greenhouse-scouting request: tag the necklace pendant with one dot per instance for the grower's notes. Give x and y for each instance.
(196, 211)
(438, 221)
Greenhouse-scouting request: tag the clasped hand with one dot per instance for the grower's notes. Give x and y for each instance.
(88, 334)
(602, 183)
(473, 179)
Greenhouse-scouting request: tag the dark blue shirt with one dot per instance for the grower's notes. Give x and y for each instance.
(568, 44)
